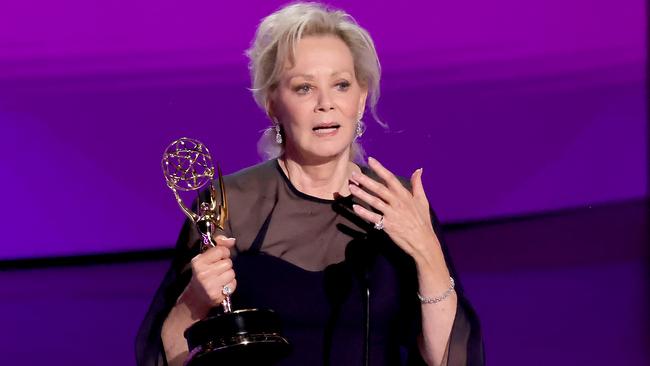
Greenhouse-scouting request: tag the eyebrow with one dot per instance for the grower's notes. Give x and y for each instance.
(311, 77)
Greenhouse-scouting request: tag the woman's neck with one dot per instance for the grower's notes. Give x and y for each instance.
(324, 179)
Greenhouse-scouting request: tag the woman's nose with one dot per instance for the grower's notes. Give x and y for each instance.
(324, 102)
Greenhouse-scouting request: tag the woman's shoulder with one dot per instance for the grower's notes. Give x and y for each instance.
(261, 171)
(260, 178)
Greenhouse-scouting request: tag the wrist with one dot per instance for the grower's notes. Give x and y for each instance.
(431, 267)
(443, 296)
(195, 308)
(428, 257)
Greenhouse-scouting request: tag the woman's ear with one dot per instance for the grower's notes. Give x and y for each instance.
(362, 101)
(269, 106)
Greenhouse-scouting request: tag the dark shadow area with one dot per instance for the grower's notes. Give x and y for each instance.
(556, 286)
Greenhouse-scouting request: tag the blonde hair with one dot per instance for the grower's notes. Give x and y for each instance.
(275, 42)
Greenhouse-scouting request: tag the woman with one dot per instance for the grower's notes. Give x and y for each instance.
(310, 231)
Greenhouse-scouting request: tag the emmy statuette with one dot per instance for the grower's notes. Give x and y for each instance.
(239, 337)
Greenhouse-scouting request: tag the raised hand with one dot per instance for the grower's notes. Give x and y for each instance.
(404, 215)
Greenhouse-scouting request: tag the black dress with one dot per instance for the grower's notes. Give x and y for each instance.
(327, 273)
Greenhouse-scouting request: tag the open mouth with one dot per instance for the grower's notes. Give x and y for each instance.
(326, 129)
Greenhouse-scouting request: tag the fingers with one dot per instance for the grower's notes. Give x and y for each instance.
(211, 271)
(214, 288)
(205, 273)
(211, 255)
(401, 208)
(418, 188)
(208, 266)
(391, 191)
(232, 285)
(222, 240)
(366, 214)
(373, 186)
(215, 278)
(368, 198)
(391, 180)
(215, 269)
(223, 279)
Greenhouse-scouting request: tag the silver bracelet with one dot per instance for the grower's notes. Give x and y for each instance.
(437, 299)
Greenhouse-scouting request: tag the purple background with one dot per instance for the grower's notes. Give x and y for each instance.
(511, 108)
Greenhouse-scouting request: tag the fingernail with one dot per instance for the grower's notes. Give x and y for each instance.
(233, 239)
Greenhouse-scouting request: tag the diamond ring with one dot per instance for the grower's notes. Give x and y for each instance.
(226, 290)
(379, 225)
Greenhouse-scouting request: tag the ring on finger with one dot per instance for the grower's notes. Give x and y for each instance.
(226, 290)
(379, 225)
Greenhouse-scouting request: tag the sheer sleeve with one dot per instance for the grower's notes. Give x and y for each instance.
(149, 349)
(465, 344)
(148, 346)
(243, 191)
(255, 192)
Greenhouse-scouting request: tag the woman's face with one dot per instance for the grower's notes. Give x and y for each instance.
(318, 100)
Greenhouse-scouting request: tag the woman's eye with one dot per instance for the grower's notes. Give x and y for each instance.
(343, 85)
(302, 88)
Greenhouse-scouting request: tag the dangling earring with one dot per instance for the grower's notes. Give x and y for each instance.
(361, 128)
(278, 135)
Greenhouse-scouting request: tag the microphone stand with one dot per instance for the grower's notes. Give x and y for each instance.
(366, 335)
